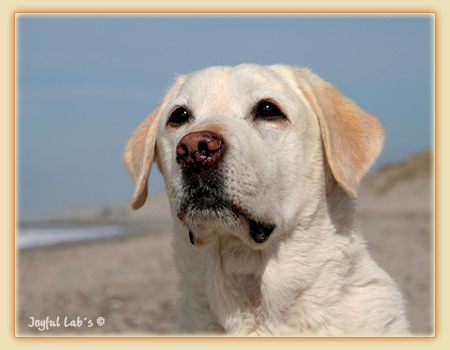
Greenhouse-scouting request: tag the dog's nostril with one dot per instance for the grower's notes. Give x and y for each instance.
(182, 151)
(203, 148)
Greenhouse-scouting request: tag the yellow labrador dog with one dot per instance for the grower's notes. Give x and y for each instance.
(261, 165)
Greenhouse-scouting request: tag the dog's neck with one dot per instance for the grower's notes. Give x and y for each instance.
(341, 207)
(242, 281)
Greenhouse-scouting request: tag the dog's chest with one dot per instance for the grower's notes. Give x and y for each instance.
(248, 288)
(239, 272)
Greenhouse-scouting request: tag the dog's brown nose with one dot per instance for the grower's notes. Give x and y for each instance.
(201, 148)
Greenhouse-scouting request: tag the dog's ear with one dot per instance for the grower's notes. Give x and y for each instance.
(140, 151)
(352, 138)
(140, 155)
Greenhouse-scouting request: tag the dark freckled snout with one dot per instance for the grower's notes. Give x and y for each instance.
(200, 149)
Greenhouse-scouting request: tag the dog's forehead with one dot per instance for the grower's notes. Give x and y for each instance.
(218, 85)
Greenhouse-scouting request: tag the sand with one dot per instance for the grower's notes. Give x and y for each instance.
(132, 284)
(129, 282)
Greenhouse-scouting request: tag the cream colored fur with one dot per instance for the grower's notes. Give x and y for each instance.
(313, 276)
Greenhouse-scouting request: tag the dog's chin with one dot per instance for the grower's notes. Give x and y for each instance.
(207, 218)
(214, 217)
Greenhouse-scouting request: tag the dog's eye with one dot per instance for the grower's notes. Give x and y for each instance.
(268, 110)
(179, 116)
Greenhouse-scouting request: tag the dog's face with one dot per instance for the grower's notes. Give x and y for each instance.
(225, 141)
(243, 150)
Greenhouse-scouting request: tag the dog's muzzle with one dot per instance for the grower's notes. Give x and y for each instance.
(200, 155)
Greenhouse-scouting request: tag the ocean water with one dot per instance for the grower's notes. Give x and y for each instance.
(32, 237)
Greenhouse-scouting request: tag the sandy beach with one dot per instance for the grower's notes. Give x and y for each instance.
(130, 282)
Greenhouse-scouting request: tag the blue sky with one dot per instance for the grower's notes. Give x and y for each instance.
(86, 82)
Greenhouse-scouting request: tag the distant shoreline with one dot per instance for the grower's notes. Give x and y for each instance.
(31, 237)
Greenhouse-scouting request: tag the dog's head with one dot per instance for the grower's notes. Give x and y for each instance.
(243, 150)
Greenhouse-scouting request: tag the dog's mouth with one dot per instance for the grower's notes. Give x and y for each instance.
(260, 231)
(206, 203)
(209, 208)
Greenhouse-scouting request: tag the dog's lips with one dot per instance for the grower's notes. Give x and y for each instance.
(260, 231)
